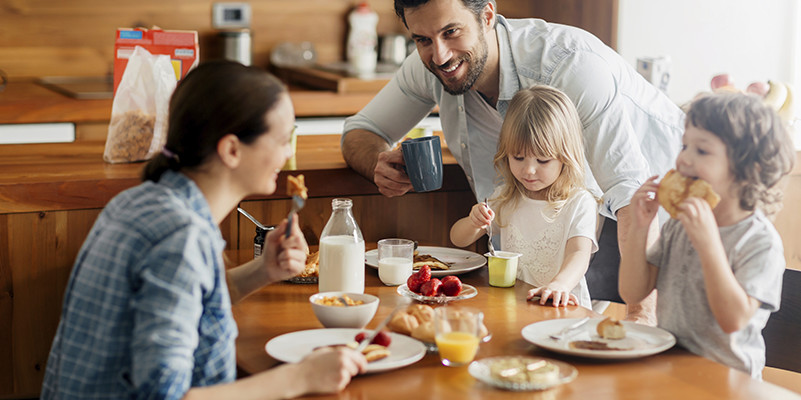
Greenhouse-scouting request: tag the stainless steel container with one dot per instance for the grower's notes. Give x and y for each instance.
(237, 46)
(392, 49)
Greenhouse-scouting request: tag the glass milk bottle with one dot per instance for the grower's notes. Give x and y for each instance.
(341, 251)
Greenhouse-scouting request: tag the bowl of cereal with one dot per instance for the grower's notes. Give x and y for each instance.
(343, 309)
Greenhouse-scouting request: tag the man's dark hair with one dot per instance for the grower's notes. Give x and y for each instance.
(476, 6)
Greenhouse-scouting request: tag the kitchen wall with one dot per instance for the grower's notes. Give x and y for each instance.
(752, 41)
(76, 37)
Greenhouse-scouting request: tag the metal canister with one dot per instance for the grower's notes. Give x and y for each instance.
(237, 46)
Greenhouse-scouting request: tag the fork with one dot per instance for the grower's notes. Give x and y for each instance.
(297, 204)
(489, 233)
(564, 332)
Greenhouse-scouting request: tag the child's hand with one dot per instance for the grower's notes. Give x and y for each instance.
(644, 204)
(481, 215)
(699, 222)
(561, 295)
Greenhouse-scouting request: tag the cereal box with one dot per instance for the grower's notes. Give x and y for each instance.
(181, 46)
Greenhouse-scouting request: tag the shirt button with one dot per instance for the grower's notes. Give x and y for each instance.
(461, 109)
(470, 179)
(464, 145)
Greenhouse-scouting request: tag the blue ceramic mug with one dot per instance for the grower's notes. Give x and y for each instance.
(423, 158)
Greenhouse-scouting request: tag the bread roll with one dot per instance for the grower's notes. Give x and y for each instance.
(611, 328)
(424, 332)
(674, 188)
(403, 323)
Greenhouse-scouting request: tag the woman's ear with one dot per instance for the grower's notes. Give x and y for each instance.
(229, 149)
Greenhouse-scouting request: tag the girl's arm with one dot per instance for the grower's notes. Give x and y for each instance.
(637, 277)
(730, 304)
(574, 266)
(466, 230)
(282, 259)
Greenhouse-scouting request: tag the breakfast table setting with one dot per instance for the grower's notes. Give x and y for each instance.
(278, 324)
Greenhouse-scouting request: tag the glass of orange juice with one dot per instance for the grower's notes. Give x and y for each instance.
(456, 331)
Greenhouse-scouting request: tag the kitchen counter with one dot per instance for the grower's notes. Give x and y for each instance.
(29, 102)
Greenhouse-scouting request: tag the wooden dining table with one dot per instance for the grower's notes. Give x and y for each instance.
(674, 374)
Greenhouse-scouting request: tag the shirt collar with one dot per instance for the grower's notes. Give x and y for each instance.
(188, 191)
(508, 80)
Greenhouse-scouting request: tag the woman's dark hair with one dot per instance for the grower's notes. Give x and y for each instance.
(475, 6)
(757, 141)
(215, 99)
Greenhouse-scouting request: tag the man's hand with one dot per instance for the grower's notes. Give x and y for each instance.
(389, 174)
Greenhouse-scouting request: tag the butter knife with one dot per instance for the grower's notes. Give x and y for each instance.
(369, 338)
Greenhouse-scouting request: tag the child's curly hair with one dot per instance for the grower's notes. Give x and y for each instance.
(757, 143)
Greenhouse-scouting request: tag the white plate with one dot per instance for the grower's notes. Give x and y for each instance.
(480, 369)
(640, 340)
(468, 291)
(461, 261)
(292, 347)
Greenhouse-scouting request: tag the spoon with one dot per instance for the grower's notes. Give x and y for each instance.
(489, 233)
(250, 217)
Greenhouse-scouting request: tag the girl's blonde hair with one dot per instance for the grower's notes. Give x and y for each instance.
(541, 122)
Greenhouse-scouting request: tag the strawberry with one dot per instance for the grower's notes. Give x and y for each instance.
(431, 287)
(451, 286)
(382, 338)
(418, 278)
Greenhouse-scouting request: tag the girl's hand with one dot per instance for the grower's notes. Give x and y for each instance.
(284, 258)
(644, 204)
(481, 215)
(329, 370)
(561, 295)
(699, 222)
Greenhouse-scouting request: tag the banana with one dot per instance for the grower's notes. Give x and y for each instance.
(776, 96)
(788, 110)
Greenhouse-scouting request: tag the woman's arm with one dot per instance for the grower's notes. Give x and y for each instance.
(323, 371)
(282, 259)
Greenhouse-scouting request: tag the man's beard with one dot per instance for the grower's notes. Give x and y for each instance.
(474, 70)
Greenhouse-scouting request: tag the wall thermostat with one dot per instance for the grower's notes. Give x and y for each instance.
(230, 15)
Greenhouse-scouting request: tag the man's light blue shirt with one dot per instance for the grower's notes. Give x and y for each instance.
(146, 313)
(631, 129)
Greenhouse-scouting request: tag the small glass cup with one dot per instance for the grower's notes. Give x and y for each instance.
(502, 268)
(457, 331)
(395, 259)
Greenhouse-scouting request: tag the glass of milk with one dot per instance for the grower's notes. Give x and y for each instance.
(395, 259)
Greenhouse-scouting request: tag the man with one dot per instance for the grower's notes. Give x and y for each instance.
(470, 61)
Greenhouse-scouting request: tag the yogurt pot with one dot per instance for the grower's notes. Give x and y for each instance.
(502, 268)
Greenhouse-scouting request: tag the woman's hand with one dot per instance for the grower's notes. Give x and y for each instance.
(481, 215)
(283, 257)
(329, 370)
(644, 204)
(559, 293)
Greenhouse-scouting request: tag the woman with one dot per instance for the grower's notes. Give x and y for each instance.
(147, 310)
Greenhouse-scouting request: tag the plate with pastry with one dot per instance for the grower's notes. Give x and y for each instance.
(401, 350)
(311, 272)
(522, 372)
(599, 338)
(442, 260)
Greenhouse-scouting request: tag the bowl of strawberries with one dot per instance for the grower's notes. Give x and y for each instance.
(421, 286)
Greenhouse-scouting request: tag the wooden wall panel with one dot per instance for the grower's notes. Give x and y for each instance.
(76, 37)
(788, 221)
(33, 280)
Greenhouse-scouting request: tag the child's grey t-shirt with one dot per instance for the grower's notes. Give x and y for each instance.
(756, 256)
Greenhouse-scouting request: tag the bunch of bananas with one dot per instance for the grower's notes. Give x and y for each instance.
(778, 95)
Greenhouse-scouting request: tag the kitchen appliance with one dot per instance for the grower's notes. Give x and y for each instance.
(237, 45)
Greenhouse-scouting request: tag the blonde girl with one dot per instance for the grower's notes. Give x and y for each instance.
(543, 209)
